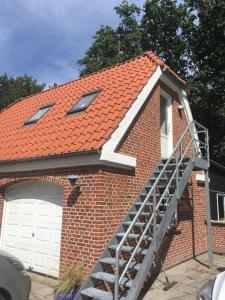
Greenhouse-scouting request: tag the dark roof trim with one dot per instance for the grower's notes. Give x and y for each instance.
(54, 156)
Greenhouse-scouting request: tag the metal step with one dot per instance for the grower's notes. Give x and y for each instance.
(142, 224)
(143, 194)
(122, 263)
(149, 203)
(134, 236)
(163, 178)
(142, 214)
(159, 186)
(111, 278)
(137, 224)
(128, 249)
(97, 294)
(172, 165)
(159, 171)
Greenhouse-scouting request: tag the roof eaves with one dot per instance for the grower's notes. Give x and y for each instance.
(53, 156)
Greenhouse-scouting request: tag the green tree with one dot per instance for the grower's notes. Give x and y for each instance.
(103, 52)
(206, 84)
(128, 31)
(162, 26)
(112, 46)
(13, 88)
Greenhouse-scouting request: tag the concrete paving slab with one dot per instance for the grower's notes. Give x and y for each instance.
(190, 277)
(42, 287)
(44, 292)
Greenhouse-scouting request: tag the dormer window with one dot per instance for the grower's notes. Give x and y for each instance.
(39, 114)
(84, 101)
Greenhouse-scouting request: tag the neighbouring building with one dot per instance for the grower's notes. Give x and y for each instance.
(217, 201)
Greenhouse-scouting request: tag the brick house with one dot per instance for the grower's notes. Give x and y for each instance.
(74, 159)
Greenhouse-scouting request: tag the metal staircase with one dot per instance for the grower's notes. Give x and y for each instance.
(125, 263)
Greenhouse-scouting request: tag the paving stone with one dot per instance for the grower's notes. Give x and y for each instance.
(44, 292)
(190, 277)
(37, 285)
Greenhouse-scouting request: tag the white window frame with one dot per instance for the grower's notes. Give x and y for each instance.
(217, 202)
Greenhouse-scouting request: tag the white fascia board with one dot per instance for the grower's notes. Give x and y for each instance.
(181, 94)
(60, 162)
(108, 153)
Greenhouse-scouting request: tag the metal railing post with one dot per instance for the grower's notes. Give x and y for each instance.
(177, 177)
(208, 220)
(117, 275)
(181, 148)
(154, 219)
(207, 145)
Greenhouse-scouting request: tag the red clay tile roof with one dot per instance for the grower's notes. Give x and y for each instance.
(55, 133)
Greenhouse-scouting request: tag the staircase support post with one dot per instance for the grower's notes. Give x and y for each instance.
(208, 220)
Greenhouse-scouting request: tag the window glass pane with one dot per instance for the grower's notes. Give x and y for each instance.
(163, 116)
(38, 114)
(84, 102)
(221, 207)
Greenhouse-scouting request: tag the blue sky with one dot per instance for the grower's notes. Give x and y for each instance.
(45, 38)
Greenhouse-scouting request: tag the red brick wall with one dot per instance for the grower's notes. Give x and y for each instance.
(91, 215)
(218, 236)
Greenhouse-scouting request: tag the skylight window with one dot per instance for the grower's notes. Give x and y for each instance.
(84, 102)
(39, 114)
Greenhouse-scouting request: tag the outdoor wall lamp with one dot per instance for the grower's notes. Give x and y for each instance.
(72, 179)
(181, 107)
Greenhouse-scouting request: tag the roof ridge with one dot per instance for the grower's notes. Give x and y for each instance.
(156, 59)
(149, 54)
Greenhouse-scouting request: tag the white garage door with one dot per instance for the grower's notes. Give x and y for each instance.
(32, 225)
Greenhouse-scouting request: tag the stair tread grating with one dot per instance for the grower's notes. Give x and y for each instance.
(98, 294)
(134, 236)
(142, 214)
(122, 263)
(111, 278)
(137, 224)
(129, 249)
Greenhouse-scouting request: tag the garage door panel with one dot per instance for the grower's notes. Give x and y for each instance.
(25, 255)
(10, 249)
(57, 236)
(42, 234)
(26, 231)
(28, 208)
(44, 210)
(40, 259)
(12, 230)
(32, 226)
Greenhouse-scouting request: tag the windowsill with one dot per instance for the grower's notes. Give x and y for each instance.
(222, 222)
